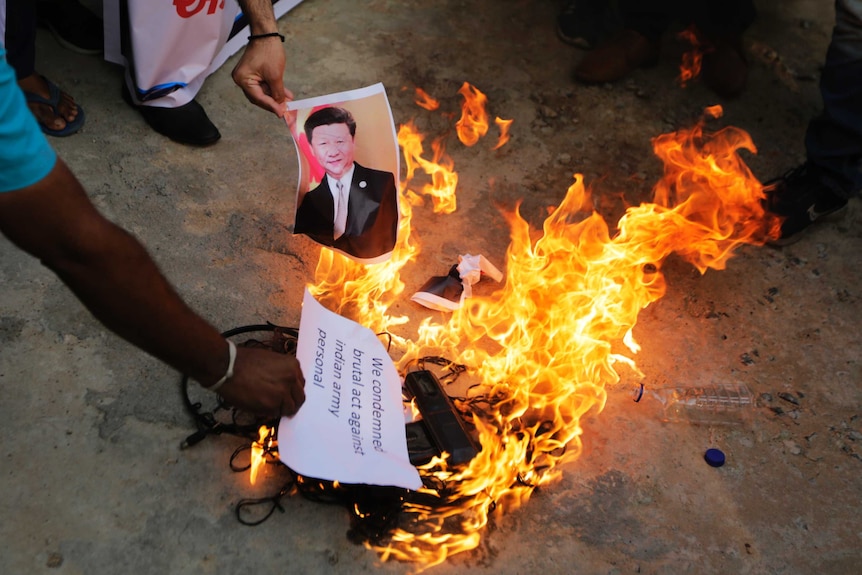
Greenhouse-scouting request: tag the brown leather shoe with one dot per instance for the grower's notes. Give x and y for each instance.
(617, 57)
(725, 69)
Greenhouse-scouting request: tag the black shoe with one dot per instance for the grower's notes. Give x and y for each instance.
(74, 25)
(581, 22)
(800, 198)
(188, 124)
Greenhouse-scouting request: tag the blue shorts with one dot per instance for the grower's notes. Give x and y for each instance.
(25, 155)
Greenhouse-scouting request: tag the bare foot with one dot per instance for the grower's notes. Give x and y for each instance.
(67, 108)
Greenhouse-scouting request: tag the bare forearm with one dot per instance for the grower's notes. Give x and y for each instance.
(260, 15)
(111, 273)
(123, 288)
(114, 276)
(260, 70)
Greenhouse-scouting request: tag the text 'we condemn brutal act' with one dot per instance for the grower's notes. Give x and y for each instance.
(350, 389)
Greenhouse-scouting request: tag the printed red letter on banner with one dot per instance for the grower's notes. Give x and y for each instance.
(188, 8)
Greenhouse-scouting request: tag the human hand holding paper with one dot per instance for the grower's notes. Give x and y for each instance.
(265, 383)
(260, 70)
(259, 73)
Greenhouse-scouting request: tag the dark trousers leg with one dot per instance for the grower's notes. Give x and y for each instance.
(834, 138)
(716, 18)
(648, 17)
(21, 36)
(721, 19)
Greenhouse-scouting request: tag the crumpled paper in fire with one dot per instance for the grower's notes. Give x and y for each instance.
(447, 293)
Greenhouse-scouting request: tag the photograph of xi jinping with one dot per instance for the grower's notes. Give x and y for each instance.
(353, 208)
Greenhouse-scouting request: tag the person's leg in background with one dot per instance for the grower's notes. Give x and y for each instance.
(833, 142)
(635, 46)
(163, 77)
(721, 25)
(834, 138)
(584, 23)
(73, 25)
(55, 110)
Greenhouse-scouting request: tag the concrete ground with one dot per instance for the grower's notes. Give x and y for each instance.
(92, 477)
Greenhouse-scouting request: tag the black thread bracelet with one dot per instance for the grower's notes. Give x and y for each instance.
(268, 35)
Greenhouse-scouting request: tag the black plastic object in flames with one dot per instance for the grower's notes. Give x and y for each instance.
(440, 421)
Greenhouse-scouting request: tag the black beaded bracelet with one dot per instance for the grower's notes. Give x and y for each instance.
(269, 35)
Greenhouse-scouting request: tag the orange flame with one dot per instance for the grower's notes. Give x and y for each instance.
(714, 111)
(474, 120)
(366, 292)
(543, 346)
(257, 453)
(689, 68)
(568, 297)
(423, 100)
(443, 179)
(504, 132)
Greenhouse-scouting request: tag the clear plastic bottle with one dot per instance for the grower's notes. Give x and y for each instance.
(715, 403)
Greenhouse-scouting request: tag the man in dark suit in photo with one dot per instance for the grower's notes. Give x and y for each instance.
(354, 209)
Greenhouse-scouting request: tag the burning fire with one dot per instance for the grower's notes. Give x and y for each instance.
(474, 119)
(689, 68)
(504, 132)
(423, 100)
(258, 449)
(542, 344)
(443, 179)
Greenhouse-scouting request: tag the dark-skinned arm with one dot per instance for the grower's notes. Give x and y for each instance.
(115, 278)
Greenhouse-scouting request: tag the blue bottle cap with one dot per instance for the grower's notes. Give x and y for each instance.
(714, 457)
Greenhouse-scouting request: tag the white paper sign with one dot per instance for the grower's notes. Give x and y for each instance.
(351, 427)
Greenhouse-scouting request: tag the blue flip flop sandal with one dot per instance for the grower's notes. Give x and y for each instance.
(54, 101)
